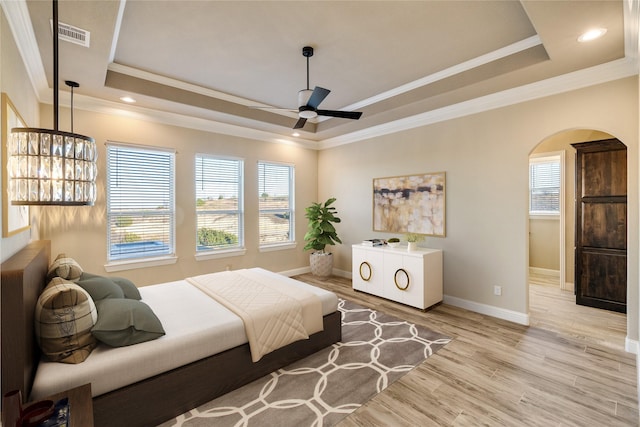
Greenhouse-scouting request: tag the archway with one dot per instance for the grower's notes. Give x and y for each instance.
(552, 239)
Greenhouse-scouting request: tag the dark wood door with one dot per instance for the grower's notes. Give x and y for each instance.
(601, 224)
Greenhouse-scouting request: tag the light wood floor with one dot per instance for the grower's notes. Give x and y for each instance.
(568, 368)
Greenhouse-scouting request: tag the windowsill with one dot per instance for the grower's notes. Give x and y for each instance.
(225, 253)
(278, 247)
(549, 216)
(133, 264)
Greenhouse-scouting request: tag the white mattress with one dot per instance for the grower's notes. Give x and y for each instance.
(196, 327)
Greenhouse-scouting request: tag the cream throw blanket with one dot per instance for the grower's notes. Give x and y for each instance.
(275, 313)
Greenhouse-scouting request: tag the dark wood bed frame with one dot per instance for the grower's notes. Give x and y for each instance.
(148, 402)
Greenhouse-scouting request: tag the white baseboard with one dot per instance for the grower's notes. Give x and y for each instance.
(295, 271)
(632, 346)
(545, 272)
(489, 310)
(342, 273)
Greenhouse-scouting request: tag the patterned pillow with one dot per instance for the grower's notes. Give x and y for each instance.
(65, 314)
(64, 267)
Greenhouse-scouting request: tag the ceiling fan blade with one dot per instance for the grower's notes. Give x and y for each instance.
(273, 109)
(300, 123)
(318, 95)
(355, 115)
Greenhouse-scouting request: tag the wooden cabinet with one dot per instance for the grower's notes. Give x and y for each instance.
(412, 278)
(601, 224)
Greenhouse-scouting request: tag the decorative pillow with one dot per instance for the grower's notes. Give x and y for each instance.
(124, 322)
(64, 267)
(128, 288)
(64, 316)
(100, 287)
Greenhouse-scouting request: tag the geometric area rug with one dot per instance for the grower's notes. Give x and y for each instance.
(323, 388)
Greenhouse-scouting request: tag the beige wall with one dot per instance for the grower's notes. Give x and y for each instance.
(80, 232)
(544, 243)
(485, 157)
(14, 83)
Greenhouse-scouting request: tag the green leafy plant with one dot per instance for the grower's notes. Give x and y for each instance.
(211, 237)
(393, 240)
(320, 231)
(414, 237)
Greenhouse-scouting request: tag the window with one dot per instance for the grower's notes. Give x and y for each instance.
(140, 202)
(544, 185)
(219, 203)
(276, 212)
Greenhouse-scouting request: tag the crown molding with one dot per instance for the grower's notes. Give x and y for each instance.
(19, 21)
(451, 71)
(610, 71)
(102, 106)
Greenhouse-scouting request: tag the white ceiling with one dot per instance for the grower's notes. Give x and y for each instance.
(213, 62)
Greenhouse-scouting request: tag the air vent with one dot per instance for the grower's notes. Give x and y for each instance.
(69, 33)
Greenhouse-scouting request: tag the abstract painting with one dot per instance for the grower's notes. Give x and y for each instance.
(410, 204)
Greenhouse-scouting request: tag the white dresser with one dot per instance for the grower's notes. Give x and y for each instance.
(413, 278)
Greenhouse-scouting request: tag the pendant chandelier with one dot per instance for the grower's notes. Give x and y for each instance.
(49, 166)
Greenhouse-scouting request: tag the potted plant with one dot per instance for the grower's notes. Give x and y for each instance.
(320, 233)
(412, 240)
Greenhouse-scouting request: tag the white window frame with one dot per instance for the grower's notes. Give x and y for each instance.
(547, 158)
(222, 251)
(139, 260)
(291, 242)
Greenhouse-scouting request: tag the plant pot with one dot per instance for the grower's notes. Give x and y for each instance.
(412, 246)
(321, 264)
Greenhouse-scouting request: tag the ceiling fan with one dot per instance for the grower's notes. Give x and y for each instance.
(309, 100)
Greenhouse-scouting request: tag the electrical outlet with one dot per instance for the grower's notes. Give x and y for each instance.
(497, 290)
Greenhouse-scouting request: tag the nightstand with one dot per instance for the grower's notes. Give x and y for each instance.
(80, 404)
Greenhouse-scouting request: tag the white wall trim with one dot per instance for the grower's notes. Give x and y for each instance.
(632, 346)
(342, 273)
(20, 23)
(296, 271)
(598, 74)
(489, 310)
(544, 272)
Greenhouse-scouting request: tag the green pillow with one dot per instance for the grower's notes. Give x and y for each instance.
(123, 321)
(129, 289)
(100, 287)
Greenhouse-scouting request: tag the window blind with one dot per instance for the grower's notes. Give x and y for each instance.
(140, 202)
(276, 212)
(219, 203)
(544, 185)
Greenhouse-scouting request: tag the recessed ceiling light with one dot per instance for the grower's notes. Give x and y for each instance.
(128, 99)
(592, 34)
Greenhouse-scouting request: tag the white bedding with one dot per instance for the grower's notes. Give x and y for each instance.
(191, 321)
(274, 313)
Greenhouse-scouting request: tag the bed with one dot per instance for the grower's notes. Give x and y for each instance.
(148, 401)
